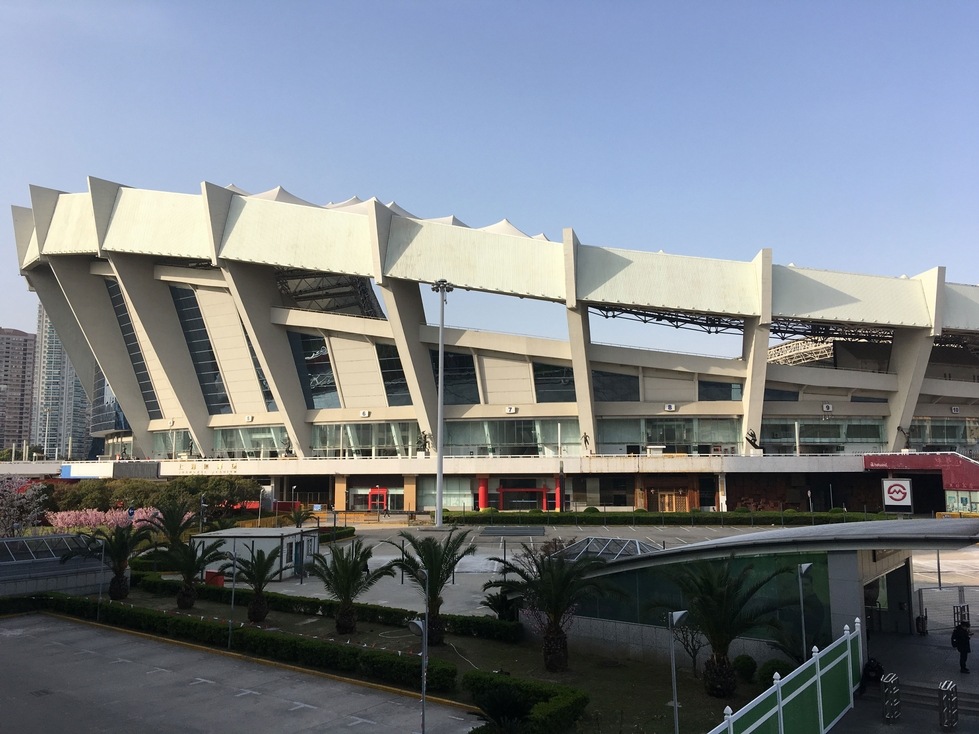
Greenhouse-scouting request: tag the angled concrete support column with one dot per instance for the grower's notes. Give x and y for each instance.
(910, 353)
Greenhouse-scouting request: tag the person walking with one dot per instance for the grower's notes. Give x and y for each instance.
(960, 641)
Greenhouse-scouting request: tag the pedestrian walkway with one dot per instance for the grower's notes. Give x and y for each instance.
(924, 661)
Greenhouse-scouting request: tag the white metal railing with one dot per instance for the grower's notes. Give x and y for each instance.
(813, 697)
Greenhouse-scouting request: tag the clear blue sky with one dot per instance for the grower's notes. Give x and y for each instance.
(843, 135)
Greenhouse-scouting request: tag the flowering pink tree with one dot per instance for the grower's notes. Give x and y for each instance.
(71, 520)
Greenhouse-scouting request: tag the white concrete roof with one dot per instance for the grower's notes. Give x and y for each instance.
(277, 228)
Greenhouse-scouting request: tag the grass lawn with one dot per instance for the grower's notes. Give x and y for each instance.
(626, 696)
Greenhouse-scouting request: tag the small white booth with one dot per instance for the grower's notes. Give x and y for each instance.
(297, 545)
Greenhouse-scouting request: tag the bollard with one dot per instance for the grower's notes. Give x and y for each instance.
(948, 706)
(890, 692)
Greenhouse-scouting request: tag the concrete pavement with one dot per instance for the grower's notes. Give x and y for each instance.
(64, 675)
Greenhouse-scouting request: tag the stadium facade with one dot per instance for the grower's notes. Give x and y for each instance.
(261, 335)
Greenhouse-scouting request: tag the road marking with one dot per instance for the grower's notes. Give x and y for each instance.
(198, 681)
(246, 692)
(357, 721)
(296, 706)
(120, 660)
(158, 670)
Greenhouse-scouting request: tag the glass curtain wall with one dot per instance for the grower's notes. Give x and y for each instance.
(365, 440)
(176, 444)
(822, 436)
(201, 351)
(457, 493)
(253, 442)
(558, 437)
(945, 434)
(675, 435)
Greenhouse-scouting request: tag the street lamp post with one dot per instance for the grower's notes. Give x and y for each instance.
(98, 609)
(234, 581)
(441, 287)
(421, 628)
(803, 569)
(674, 618)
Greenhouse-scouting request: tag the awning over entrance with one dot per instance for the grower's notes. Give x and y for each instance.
(958, 472)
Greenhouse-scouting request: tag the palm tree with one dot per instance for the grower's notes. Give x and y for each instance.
(257, 571)
(346, 576)
(189, 559)
(429, 566)
(551, 586)
(724, 605)
(297, 516)
(115, 547)
(173, 520)
(505, 607)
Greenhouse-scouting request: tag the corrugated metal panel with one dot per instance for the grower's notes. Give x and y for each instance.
(72, 229)
(674, 282)
(467, 258)
(159, 223)
(824, 295)
(294, 236)
(961, 307)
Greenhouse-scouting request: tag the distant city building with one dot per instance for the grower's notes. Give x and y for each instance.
(61, 414)
(16, 377)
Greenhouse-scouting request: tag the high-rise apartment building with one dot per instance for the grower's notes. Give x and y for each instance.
(61, 415)
(16, 374)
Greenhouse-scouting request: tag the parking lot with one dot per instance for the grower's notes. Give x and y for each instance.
(63, 675)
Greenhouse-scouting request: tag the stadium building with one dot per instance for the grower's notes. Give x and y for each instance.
(261, 335)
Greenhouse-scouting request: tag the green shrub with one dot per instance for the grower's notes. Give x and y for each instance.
(742, 509)
(790, 511)
(640, 511)
(590, 510)
(555, 708)
(535, 511)
(486, 628)
(768, 669)
(489, 510)
(326, 534)
(745, 666)
(378, 665)
(836, 510)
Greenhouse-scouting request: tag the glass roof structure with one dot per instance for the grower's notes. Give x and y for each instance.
(608, 549)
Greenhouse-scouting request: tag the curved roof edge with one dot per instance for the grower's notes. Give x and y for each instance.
(924, 534)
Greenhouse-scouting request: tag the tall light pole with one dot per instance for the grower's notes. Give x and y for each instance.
(673, 619)
(234, 583)
(421, 628)
(803, 569)
(441, 287)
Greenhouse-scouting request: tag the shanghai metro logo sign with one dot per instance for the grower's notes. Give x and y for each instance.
(897, 495)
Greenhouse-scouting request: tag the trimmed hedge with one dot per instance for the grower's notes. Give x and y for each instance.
(555, 708)
(594, 516)
(326, 534)
(377, 665)
(487, 628)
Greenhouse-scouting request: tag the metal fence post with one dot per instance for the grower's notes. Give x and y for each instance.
(948, 706)
(890, 690)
